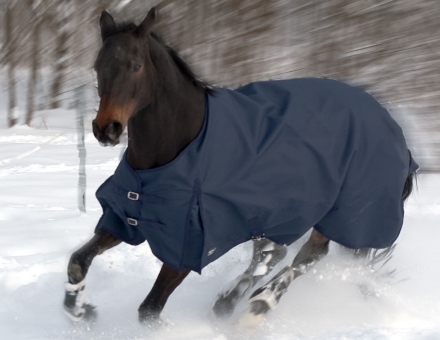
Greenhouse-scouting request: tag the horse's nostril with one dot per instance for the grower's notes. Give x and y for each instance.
(109, 135)
(113, 130)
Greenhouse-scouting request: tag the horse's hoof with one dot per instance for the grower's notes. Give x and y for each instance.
(223, 308)
(227, 301)
(85, 313)
(74, 306)
(150, 319)
(254, 315)
(258, 307)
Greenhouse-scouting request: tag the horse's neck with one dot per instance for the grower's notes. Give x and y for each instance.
(159, 132)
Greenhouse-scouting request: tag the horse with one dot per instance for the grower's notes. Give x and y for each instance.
(208, 168)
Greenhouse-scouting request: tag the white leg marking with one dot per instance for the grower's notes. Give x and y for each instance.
(78, 311)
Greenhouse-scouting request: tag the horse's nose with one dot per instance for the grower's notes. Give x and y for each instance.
(96, 130)
(109, 135)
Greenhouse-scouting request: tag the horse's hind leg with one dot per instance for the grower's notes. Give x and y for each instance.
(266, 254)
(267, 297)
(80, 261)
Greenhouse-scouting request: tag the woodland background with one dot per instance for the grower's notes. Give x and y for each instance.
(389, 47)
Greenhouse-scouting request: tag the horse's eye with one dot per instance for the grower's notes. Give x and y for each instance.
(136, 68)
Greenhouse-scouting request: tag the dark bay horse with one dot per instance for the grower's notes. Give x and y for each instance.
(209, 168)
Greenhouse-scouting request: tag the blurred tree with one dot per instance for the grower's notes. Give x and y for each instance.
(10, 60)
(64, 28)
(250, 26)
(37, 14)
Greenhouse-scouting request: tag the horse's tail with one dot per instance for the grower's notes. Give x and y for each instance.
(409, 185)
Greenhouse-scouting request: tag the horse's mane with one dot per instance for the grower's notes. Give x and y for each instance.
(129, 27)
(181, 65)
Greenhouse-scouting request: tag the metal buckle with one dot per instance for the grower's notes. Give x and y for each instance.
(134, 196)
(132, 221)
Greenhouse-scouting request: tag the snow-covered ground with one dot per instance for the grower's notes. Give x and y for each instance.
(40, 226)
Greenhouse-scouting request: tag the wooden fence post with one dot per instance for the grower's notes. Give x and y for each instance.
(80, 94)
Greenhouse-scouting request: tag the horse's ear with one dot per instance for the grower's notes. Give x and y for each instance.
(145, 27)
(107, 24)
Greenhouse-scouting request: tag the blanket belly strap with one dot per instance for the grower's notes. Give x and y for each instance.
(135, 196)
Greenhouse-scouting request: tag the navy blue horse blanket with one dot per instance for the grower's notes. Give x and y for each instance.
(273, 160)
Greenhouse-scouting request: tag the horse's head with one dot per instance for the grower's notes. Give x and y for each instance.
(125, 76)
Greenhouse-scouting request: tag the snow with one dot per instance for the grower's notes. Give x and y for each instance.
(40, 226)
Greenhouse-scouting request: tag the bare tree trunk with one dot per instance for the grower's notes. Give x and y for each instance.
(10, 61)
(33, 79)
(62, 47)
(59, 69)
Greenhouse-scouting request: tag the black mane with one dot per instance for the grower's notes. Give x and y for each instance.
(129, 27)
(182, 66)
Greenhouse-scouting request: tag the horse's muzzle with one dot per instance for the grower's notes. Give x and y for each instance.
(109, 134)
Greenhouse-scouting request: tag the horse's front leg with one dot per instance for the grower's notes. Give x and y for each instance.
(167, 280)
(80, 261)
(267, 297)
